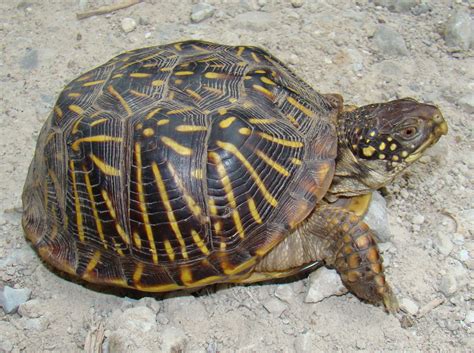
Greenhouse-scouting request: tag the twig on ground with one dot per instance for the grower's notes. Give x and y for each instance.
(430, 306)
(107, 9)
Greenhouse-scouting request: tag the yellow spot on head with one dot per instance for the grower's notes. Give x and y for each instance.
(389, 139)
(381, 156)
(395, 158)
(368, 151)
(372, 133)
(148, 132)
(404, 154)
(382, 146)
(393, 146)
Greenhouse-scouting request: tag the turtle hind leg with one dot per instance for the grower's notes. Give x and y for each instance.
(355, 255)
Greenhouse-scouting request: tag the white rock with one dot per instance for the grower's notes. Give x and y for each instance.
(448, 285)
(443, 244)
(141, 319)
(458, 31)
(324, 283)
(128, 24)
(397, 5)
(274, 306)
(173, 340)
(304, 343)
(418, 219)
(463, 255)
(201, 11)
(408, 306)
(467, 102)
(469, 319)
(285, 292)
(377, 217)
(10, 298)
(255, 20)
(297, 3)
(389, 41)
(32, 309)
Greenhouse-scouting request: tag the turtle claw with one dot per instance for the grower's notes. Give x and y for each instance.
(390, 301)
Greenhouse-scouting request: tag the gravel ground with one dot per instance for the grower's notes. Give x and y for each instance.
(366, 50)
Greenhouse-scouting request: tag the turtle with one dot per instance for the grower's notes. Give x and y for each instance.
(193, 163)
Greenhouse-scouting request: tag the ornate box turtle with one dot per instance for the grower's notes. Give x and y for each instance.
(194, 163)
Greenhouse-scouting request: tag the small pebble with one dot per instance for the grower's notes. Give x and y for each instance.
(201, 11)
(304, 343)
(418, 219)
(463, 255)
(448, 285)
(469, 319)
(467, 102)
(297, 3)
(443, 244)
(274, 306)
(10, 298)
(409, 306)
(285, 293)
(128, 24)
(324, 283)
(389, 41)
(174, 339)
(459, 30)
(397, 5)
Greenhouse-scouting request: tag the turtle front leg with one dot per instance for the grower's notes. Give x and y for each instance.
(354, 254)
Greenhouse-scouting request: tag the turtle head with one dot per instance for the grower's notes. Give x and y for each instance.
(378, 141)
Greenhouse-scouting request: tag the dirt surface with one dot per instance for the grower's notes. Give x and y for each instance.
(336, 46)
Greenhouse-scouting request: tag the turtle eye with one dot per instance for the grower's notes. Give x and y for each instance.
(408, 132)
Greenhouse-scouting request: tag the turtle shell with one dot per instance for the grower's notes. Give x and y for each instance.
(177, 166)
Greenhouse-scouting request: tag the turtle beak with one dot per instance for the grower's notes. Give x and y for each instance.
(441, 126)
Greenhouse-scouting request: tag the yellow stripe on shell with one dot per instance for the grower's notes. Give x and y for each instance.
(142, 203)
(193, 94)
(105, 168)
(261, 121)
(77, 204)
(93, 261)
(98, 121)
(58, 111)
(183, 73)
(139, 75)
(137, 274)
(179, 111)
(190, 128)
(93, 83)
(283, 142)
(199, 242)
(137, 240)
(175, 146)
(95, 213)
(192, 205)
(300, 107)
(260, 184)
(254, 211)
(122, 100)
(76, 109)
(169, 249)
(224, 124)
(169, 209)
(214, 75)
(273, 164)
(95, 138)
(226, 183)
(263, 90)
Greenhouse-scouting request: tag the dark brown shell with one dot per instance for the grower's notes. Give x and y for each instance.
(177, 166)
